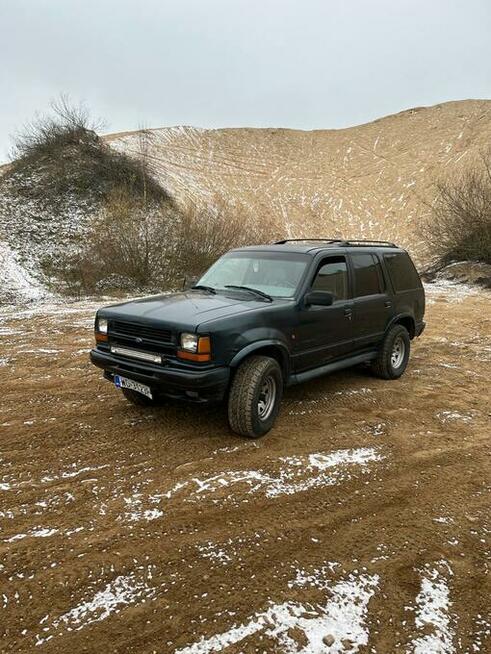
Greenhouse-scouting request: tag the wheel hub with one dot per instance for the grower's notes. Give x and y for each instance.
(398, 352)
(267, 398)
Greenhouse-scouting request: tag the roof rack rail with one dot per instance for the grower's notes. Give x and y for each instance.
(310, 240)
(341, 241)
(360, 242)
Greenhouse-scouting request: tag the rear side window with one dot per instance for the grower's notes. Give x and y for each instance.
(368, 275)
(332, 276)
(402, 272)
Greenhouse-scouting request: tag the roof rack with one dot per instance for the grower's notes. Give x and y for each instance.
(340, 241)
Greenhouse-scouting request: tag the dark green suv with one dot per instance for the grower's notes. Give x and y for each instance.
(262, 318)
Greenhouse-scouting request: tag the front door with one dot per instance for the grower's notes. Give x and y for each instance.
(324, 333)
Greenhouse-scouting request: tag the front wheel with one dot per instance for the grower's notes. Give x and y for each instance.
(393, 356)
(255, 396)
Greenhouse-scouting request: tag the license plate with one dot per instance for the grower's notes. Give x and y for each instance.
(124, 382)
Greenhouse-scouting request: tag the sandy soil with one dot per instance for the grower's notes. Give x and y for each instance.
(361, 523)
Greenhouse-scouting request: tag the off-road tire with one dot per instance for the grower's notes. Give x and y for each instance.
(383, 366)
(245, 395)
(137, 398)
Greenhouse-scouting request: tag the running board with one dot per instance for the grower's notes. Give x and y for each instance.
(330, 367)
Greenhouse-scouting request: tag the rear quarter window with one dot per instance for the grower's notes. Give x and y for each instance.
(402, 272)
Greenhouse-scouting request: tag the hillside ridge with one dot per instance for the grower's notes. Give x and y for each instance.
(375, 180)
(410, 110)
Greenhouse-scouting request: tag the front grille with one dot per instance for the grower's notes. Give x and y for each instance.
(132, 331)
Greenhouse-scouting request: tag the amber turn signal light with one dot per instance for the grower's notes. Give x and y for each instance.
(203, 352)
(191, 356)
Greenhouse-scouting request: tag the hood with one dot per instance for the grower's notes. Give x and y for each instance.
(182, 310)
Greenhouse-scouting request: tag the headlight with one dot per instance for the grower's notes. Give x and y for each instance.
(101, 325)
(189, 342)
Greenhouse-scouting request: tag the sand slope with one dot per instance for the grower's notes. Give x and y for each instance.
(367, 181)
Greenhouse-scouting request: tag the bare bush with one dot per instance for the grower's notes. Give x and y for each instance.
(61, 152)
(204, 234)
(126, 248)
(45, 134)
(133, 246)
(460, 225)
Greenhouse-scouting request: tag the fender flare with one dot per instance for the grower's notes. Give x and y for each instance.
(258, 345)
(398, 318)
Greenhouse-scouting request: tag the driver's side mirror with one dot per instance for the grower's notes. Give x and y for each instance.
(189, 282)
(321, 298)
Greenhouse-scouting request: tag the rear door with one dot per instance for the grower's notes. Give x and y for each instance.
(372, 304)
(409, 297)
(324, 333)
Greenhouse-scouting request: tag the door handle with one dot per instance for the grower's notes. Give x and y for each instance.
(348, 312)
(388, 304)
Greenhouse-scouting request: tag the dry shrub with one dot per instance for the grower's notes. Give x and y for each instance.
(134, 245)
(460, 227)
(204, 234)
(61, 153)
(126, 248)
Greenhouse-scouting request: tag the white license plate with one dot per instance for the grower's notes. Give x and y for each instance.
(124, 382)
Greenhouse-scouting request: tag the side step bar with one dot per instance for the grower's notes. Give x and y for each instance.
(300, 377)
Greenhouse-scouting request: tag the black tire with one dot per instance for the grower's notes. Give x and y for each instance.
(249, 397)
(137, 398)
(387, 365)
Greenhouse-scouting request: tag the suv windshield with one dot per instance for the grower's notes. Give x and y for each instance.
(275, 273)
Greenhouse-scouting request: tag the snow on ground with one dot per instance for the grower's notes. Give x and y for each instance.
(433, 617)
(453, 291)
(296, 474)
(17, 284)
(124, 590)
(335, 626)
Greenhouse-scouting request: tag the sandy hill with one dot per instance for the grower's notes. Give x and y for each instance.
(368, 181)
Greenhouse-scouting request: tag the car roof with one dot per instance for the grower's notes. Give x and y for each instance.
(314, 246)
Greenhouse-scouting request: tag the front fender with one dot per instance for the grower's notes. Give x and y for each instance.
(259, 345)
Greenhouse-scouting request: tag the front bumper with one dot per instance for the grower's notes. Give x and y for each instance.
(420, 327)
(207, 385)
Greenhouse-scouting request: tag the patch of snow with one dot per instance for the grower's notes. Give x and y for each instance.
(333, 627)
(38, 532)
(444, 520)
(213, 552)
(124, 590)
(69, 474)
(446, 416)
(16, 282)
(452, 290)
(432, 614)
(298, 473)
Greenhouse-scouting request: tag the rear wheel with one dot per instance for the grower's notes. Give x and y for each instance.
(255, 396)
(393, 356)
(138, 398)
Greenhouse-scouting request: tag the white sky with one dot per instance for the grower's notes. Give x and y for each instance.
(216, 63)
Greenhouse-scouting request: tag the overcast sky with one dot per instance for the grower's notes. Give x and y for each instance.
(216, 63)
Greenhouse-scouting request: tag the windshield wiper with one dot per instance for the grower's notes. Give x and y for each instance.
(251, 290)
(203, 287)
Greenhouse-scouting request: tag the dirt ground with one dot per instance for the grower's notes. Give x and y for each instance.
(360, 524)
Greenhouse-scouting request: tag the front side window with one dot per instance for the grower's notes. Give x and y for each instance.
(332, 276)
(368, 274)
(274, 273)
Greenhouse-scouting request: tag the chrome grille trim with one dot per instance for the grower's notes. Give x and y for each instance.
(136, 354)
